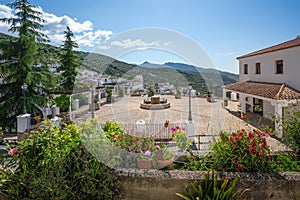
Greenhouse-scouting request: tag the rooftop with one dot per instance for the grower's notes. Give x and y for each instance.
(285, 45)
(279, 91)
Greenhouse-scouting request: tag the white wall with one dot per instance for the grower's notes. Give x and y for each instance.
(267, 109)
(291, 67)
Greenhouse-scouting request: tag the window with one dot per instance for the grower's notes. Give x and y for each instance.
(257, 68)
(245, 68)
(279, 66)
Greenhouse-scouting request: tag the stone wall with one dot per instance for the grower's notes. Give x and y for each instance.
(140, 184)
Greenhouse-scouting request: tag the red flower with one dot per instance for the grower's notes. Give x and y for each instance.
(233, 134)
(231, 140)
(237, 138)
(253, 150)
(260, 153)
(135, 140)
(234, 146)
(253, 144)
(251, 135)
(240, 167)
(264, 140)
(264, 133)
(257, 132)
(119, 136)
(244, 117)
(241, 134)
(267, 158)
(243, 130)
(264, 145)
(12, 151)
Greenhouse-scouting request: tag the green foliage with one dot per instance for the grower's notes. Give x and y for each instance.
(53, 163)
(23, 61)
(112, 130)
(163, 153)
(291, 127)
(69, 61)
(284, 162)
(63, 102)
(212, 188)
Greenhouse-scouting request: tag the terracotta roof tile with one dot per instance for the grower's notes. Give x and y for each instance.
(285, 45)
(267, 90)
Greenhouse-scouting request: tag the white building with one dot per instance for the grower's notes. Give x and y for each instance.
(269, 81)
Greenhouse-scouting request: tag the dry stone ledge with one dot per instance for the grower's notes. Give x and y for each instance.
(163, 184)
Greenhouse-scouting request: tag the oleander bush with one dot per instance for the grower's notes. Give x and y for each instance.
(53, 163)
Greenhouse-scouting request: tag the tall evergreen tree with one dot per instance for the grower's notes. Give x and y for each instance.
(69, 61)
(22, 62)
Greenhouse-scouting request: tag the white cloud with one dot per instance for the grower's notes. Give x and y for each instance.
(54, 27)
(128, 43)
(5, 12)
(103, 47)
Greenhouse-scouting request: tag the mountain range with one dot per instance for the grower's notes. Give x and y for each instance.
(178, 74)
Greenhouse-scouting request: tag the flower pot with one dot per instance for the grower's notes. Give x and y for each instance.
(164, 163)
(144, 164)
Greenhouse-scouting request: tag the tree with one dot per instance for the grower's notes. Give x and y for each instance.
(23, 62)
(69, 61)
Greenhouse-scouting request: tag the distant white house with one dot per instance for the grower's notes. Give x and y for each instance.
(269, 81)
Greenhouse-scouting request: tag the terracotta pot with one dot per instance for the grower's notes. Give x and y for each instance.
(144, 164)
(164, 163)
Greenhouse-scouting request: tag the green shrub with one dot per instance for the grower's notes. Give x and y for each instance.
(53, 163)
(291, 127)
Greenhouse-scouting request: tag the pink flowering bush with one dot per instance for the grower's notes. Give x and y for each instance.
(242, 151)
(238, 151)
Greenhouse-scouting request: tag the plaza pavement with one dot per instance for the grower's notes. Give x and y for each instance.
(209, 118)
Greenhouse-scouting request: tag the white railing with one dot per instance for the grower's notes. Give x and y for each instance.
(156, 131)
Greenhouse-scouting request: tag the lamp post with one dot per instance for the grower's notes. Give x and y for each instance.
(92, 101)
(24, 88)
(190, 109)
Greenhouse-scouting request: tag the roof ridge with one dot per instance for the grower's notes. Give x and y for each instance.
(284, 45)
(280, 91)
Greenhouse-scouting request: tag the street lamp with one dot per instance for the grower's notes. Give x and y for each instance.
(190, 110)
(24, 88)
(92, 101)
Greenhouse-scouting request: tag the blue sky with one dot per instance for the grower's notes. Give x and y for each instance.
(224, 29)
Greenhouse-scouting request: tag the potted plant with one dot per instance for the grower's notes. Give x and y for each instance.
(177, 95)
(144, 160)
(164, 157)
(109, 91)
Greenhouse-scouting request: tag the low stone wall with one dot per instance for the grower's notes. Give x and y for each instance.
(139, 184)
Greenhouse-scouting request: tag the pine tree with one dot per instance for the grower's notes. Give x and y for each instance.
(69, 61)
(22, 62)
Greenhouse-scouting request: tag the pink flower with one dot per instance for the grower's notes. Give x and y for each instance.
(147, 153)
(237, 138)
(83, 147)
(157, 146)
(264, 145)
(12, 151)
(234, 146)
(240, 167)
(264, 133)
(119, 136)
(231, 140)
(260, 153)
(183, 129)
(173, 129)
